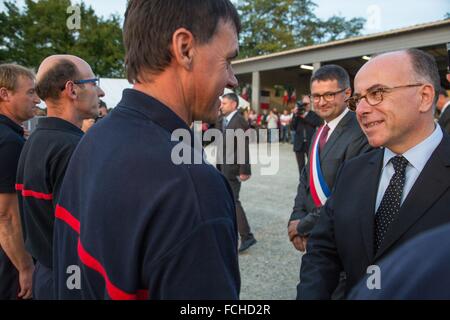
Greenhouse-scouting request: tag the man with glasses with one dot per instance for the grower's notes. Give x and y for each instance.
(390, 195)
(338, 140)
(71, 93)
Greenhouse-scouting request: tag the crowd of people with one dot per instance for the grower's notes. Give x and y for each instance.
(101, 211)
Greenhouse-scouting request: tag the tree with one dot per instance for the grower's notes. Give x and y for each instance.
(40, 29)
(269, 26)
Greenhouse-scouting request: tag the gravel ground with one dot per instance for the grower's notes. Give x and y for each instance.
(270, 268)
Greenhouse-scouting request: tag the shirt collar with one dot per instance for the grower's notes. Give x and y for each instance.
(54, 123)
(152, 109)
(334, 123)
(418, 155)
(230, 116)
(7, 121)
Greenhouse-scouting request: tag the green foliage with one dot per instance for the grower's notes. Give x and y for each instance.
(270, 26)
(40, 29)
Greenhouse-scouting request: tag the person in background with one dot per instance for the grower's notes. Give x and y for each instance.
(69, 88)
(442, 105)
(304, 123)
(18, 99)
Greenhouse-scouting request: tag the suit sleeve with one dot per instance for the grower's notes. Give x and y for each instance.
(321, 266)
(444, 121)
(299, 210)
(246, 168)
(358, 146)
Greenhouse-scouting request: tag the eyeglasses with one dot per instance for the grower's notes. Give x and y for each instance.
(375, 96)
(327, 96)
(95, 81)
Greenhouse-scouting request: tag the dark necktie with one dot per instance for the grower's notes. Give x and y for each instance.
(390, 204)
(323, 137)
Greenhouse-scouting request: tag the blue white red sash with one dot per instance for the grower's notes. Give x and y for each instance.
(319, 189)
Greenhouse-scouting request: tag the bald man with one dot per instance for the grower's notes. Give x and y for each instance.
(71, 92)
(390, 195)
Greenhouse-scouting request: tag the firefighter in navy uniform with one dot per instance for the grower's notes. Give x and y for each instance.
(133, 220)
(67, 85)
(17, 102)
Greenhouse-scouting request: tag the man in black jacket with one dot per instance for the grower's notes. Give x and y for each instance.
(235, 171)
(304, 123)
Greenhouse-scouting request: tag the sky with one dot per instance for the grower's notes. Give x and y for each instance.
(381, 15)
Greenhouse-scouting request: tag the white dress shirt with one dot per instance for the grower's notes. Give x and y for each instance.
(417, 157)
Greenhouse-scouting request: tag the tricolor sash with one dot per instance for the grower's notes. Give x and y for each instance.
(319, 189)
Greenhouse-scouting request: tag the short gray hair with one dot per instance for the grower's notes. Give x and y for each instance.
(425, 68)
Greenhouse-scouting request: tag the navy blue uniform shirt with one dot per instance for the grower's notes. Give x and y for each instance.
(42, 164)
(135, 224)
(11, 144)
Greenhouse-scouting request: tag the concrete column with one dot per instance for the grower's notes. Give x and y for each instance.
(256, 91)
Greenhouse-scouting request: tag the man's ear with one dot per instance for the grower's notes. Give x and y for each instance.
(183, 42)
(4, 94)
(69, 90)
(427, 95)
(348, 92)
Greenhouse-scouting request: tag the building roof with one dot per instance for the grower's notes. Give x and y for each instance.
(373, 36)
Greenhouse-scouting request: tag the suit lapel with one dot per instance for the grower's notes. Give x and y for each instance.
(432, 182)
(231, 123)
(371, 178)
(337, 132)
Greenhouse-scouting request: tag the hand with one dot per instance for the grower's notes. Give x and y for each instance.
(244, 177)
(25, 282)
(292, 229)
(300, 243)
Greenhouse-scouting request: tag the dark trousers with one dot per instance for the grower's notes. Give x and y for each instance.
(9, 278)
(43, 288)
(300, 156)
(243, 226)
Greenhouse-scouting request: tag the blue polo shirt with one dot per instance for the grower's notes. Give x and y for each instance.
(11, 144)
(135, 224)
(40, 172)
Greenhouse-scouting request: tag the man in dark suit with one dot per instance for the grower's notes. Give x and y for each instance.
(233, 169)
(304, 123)
(330, 86)
(388, 196)
(442, 105)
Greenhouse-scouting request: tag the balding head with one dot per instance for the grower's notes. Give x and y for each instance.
(56, 70)
(399, 91)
